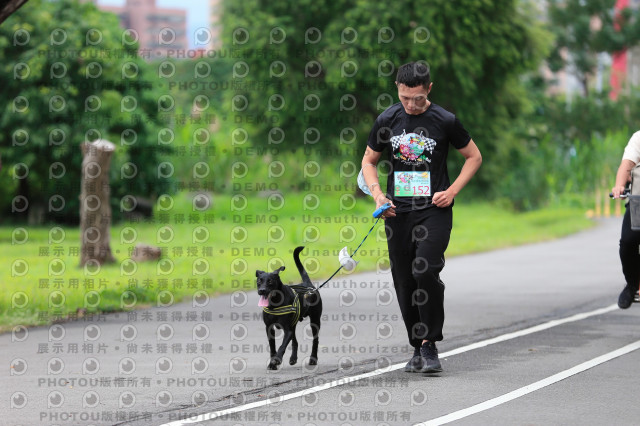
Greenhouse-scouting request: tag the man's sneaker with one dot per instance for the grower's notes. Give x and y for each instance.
(430, 360)
(415, 364)
(626, 297)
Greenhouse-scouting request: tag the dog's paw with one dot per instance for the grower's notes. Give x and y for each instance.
(293, 361)
(313, 361)
(274, 363)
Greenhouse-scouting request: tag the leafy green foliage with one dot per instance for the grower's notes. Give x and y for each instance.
(322, 72)
(479, 227)
(584, 28)
(568, 149)
(69, 76)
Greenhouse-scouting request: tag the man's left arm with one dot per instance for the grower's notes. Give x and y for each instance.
(472, 161)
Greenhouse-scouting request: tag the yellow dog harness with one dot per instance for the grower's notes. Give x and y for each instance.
(294, 309)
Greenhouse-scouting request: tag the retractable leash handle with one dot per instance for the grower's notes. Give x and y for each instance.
(380, 210)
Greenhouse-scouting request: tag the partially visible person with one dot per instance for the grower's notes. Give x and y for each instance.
(629, 239)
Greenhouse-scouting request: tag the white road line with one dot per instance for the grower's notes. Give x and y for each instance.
(534, 329)
(345, 380)
(457, 415)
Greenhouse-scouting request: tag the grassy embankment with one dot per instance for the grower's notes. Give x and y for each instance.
(219, 250)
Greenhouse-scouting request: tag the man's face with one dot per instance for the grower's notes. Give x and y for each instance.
(414, 99)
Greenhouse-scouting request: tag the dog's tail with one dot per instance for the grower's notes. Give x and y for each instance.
(305, 277)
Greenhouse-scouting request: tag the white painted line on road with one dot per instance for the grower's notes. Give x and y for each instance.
(345, 380)
(457, 415)
(526, 331)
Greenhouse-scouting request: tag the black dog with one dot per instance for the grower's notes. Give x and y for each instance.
(285, 306)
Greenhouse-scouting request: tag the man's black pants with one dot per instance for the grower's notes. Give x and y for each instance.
(630, 251)
(417, 241)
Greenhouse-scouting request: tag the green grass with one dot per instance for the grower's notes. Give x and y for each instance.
(244, 234)
(482, 227)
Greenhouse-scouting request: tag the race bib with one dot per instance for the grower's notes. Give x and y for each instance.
(412, 184)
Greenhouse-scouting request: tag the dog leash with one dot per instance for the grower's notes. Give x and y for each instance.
(353, 254)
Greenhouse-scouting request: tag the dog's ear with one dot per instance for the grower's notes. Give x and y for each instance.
(280, 269)
(259, 272)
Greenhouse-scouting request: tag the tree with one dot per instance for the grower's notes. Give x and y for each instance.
(585, 28)
(9, 7)
(6, 10)
(318, 75)
(69, 75)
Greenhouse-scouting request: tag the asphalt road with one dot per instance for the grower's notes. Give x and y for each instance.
(208, 358)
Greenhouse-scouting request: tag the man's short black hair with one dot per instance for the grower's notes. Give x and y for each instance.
(414, 74)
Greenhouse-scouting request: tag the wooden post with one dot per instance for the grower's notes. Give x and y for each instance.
(606, 201)
(618, 209)
(95, 210)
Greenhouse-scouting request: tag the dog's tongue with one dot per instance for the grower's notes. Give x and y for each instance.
(264, 302)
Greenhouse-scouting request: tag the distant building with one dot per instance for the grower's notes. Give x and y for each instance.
(161, 32)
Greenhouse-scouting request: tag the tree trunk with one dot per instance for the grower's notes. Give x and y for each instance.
(8, 7)
(585, 86)
(95, 210)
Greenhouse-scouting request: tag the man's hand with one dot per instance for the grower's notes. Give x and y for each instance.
(443, 198)
(617, 191)
(382, 200)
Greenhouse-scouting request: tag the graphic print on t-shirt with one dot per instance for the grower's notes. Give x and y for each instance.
(412, 148)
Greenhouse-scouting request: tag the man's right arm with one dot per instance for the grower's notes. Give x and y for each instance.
(370, 174)
(622, 177)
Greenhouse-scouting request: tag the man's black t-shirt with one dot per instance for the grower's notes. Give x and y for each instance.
(417, 143)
